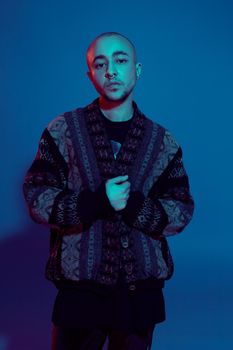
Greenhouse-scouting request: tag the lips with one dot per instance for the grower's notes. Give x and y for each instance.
(113, 84)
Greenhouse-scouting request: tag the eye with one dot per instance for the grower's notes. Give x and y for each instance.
(121, 60)
(99, 65)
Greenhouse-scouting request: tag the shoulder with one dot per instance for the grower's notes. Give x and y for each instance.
(168, 139)
(57, 131)
(59, 125)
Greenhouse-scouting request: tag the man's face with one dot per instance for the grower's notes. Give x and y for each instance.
(113, 70)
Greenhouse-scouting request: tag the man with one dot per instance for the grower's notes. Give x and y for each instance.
(111, 185)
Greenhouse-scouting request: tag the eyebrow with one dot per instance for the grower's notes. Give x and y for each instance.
(116, 53)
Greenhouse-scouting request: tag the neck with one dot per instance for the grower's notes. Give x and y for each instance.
(117, 111)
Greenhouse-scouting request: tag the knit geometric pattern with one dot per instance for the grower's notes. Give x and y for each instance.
(75, 155)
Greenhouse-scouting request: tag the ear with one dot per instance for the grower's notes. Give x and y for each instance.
(138, 69)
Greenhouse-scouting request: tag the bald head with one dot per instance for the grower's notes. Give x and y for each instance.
(113, 37)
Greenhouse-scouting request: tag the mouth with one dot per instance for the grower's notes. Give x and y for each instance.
(113, 84)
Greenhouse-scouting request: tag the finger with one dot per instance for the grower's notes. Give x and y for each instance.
(119, 179)
(126, 191)
(126, 186)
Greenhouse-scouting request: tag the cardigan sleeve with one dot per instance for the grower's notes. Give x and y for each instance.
(169, 206)
(50, 200)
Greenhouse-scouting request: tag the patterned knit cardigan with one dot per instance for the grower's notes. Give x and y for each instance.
(73, 162)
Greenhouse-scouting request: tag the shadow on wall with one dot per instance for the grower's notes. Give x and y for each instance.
(26, 296)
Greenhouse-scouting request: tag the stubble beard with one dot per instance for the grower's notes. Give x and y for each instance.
(125, 94)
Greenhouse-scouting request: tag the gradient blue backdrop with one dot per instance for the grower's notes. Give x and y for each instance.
(186, 49)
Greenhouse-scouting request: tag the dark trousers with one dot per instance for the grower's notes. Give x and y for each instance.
(94, 339)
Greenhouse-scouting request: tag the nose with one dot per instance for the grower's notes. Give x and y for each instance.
(110, 75)
(111, 71)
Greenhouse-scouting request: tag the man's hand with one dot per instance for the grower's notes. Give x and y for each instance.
(117, 190)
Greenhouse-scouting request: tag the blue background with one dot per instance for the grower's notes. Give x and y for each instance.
(186, 49)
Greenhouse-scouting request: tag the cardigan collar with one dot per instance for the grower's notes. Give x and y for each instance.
(108, 165)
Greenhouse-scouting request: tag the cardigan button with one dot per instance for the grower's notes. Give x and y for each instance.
(124, 241)
(129, 268)
(132, 287)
